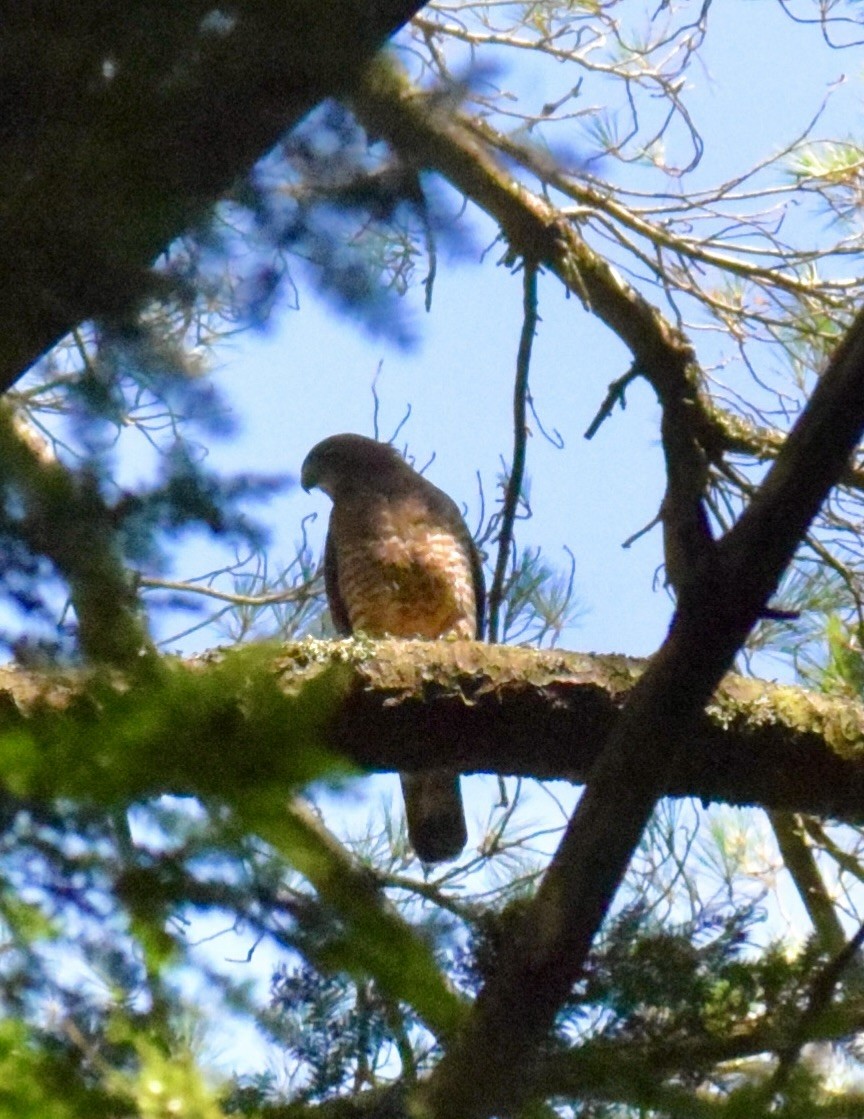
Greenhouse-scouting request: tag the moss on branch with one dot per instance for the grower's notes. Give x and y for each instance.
(405, 704)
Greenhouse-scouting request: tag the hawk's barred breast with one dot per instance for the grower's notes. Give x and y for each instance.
(401, 576)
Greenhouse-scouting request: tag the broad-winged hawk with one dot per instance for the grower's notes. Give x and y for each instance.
(399, 561)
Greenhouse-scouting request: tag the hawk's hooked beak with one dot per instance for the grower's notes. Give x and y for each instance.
(308, 476)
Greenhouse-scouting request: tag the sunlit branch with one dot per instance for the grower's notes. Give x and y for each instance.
(798, 858)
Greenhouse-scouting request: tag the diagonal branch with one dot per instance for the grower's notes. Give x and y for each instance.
(800, 862)
(814, 457)
(427, 137)
(695, 433)
(485, 1072)
(721, 588)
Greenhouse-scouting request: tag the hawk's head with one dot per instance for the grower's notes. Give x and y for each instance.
(343, 462)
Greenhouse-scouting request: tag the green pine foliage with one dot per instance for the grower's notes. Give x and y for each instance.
(147, 800)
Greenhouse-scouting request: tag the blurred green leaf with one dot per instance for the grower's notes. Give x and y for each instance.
(213, 730)
(35, 1084)
(166, 1085)
(376, 941)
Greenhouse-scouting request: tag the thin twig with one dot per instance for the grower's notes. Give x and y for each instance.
(290, 594)
(520, 440)
(631, 540)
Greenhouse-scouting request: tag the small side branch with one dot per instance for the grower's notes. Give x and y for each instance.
(789, 831)
(821, 994)
(299, 593)
(615, 395)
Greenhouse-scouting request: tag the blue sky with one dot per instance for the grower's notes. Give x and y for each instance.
(310, 373)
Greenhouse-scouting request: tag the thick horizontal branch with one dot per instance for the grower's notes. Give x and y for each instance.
(406, 705)
(546, 715)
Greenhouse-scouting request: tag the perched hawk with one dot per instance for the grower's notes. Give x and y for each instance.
(400, 562)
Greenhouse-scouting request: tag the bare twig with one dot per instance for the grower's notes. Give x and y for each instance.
(290, 594)
(520, 439)
(615, 395)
